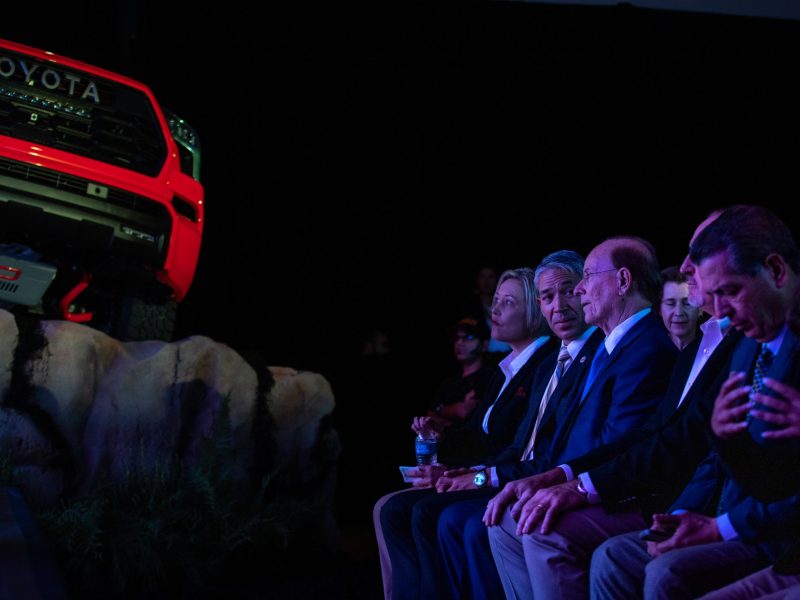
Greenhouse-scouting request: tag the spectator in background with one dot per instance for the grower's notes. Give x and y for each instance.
(458, 395)
(679, 316)
(375, 343)
(479, 306)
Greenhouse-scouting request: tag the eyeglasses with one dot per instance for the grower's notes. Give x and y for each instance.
(587, 274)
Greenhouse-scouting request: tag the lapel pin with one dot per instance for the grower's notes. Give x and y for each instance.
(583, 359)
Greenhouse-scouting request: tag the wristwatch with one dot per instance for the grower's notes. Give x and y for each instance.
(480, 479)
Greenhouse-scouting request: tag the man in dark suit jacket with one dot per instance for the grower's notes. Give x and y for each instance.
(690, 563)
(624, 385)
(779, 410)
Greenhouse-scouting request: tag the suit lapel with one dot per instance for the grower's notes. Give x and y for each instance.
(644, 324)
(784, 361)
(567, 412)
(574, 376)
(476, 419)
(744, 357)
(514, 385)
(682, 370)
(710, 370)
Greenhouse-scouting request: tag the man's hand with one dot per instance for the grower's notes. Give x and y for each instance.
(422, 424)
(426, 476)
(520, 491)
(691, 529)
(787, 411)
(456, 480)
(461, 411)
(730, 408)
(545, 505)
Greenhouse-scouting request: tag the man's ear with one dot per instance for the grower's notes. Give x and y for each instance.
(777, 269)
(624, 280)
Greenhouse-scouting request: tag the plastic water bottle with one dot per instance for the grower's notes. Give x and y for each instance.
(425, 447)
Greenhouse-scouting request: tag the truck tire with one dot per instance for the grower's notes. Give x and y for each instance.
(142, 318)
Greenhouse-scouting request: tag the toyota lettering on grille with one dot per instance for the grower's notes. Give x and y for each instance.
(37, 75)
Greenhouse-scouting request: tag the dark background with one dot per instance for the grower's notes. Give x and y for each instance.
(361, 161)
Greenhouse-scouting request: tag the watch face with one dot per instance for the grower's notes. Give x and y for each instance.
(480, 479)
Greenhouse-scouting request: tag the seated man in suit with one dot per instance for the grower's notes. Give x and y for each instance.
(781, 409)
(626, 382)
(516, 319)
(556, 558)
(714, 534)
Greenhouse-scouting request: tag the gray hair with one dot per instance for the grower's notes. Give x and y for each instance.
(534, 323)
(564, 260)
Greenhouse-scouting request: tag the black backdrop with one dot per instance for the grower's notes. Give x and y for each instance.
(360, 161)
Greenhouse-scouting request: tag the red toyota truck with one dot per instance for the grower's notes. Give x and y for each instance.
(101, 207)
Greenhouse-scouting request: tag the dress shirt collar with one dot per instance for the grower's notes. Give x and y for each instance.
(575, 346)
(512, 363)
(720, 326)
(775, 343)
(620, 330)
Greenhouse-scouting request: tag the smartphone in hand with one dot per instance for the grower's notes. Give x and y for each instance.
(655, 535)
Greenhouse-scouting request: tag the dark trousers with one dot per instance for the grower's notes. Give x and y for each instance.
(409, 522)
(470, 571)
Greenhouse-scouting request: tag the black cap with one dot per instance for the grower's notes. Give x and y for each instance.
(474, 327)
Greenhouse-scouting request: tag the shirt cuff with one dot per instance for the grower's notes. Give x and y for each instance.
(726, 529)
(593, 497)
(493, 477)
(567, 471)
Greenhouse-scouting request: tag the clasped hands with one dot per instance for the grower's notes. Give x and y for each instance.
(443, 478)
(537, 499)
(731, 407)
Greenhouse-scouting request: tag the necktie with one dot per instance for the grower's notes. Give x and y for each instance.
(564, 360)
(599, 361)
(763, 363)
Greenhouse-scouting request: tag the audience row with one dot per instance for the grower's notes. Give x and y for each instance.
(616, 453)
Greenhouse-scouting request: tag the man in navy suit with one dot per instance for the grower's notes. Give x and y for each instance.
(624, 384)
(780, 408)
(717, 531)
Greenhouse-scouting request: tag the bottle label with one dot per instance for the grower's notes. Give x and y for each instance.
(426, 447)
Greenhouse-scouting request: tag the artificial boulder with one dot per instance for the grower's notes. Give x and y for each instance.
(80, 409)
